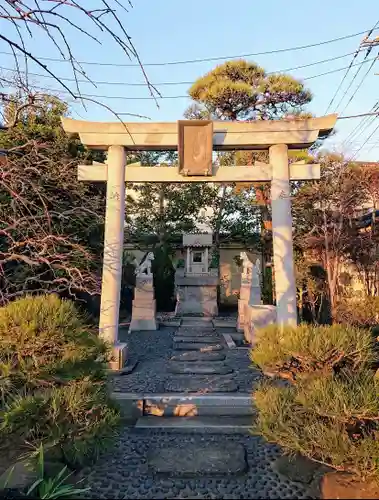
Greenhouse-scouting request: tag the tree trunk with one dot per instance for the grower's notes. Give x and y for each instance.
(161, 229)
(218, 222)
(216, 247)
(329, 271)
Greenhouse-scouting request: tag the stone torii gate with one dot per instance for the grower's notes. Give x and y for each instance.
(196, 140)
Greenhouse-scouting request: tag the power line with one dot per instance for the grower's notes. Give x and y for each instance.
(49, 89)
(348, 69)
(343, 79)
(336, 71)
(207, 59)
(362, 126)
(366, 141)
(370, 113)
(360, 84)
(129, 84)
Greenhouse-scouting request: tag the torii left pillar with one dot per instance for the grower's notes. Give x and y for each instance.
(113, 253)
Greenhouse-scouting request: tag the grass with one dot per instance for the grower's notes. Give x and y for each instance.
(49, 487)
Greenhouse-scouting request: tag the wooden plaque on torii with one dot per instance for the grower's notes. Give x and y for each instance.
(195, 147)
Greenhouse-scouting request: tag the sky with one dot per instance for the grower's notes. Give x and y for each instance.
(171, 31)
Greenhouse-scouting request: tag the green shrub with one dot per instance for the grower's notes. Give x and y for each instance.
(53, 380)
(327, 411)
(293, 351)
(358, 311)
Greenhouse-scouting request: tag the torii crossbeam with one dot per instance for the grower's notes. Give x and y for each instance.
(195, 141)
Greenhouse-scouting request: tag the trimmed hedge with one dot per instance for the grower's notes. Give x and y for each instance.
(53, 381)
(328, 409)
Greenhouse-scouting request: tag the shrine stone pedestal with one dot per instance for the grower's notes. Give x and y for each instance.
(196, 283)
(196, 295)
(144, 307)
(256, 317)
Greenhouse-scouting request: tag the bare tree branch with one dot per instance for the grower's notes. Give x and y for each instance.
(29, 18)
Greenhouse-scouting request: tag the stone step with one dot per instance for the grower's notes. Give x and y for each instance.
(222, 323)
(203, 459)
(196, 346)
(196, 320)
(192, 356)
(197, 425)
(170, 323)
(194, 332)
(199, 340)
(201, 385)
(191, 410)
(135, 405)
(199, 405)
(216, 368)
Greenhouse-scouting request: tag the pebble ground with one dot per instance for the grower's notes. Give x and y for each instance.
(124, 473)
(153, 351)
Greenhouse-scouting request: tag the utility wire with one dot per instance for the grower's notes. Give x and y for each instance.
(352, 81)
(366, 141)
(342, 81)
(129, 84)
(360, 83)
(347, 71)
(363, 125)
(49, 89)
(207, 59)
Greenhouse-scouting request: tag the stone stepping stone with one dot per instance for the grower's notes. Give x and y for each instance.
(201, 459)
(200, 385)
(194, 333)
(196, 346)
(216, 368)
(199, 356)
(199, 340)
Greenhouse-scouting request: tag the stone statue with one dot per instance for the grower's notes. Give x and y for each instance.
(247, 266)
(144, 268)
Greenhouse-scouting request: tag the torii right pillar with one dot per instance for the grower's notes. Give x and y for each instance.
(285, 286)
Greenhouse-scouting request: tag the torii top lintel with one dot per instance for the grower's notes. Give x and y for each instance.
(145, 136)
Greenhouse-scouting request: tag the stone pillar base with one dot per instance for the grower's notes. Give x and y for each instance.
(257, 317)
(143, 324)
(119, 356)
(241, 315)
(144, 307)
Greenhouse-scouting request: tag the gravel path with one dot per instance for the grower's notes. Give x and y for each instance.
(153, 351)
(124, 472)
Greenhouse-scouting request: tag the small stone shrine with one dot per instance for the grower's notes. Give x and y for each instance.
(144, 307)
(196, 280)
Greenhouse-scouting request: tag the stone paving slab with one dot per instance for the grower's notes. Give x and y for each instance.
(200, 385)
(194, 333)
(207, 460)
(196, 346)
(123, 472)
(197, 425)
(200, 340)
(199, 356)
(216, 368)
